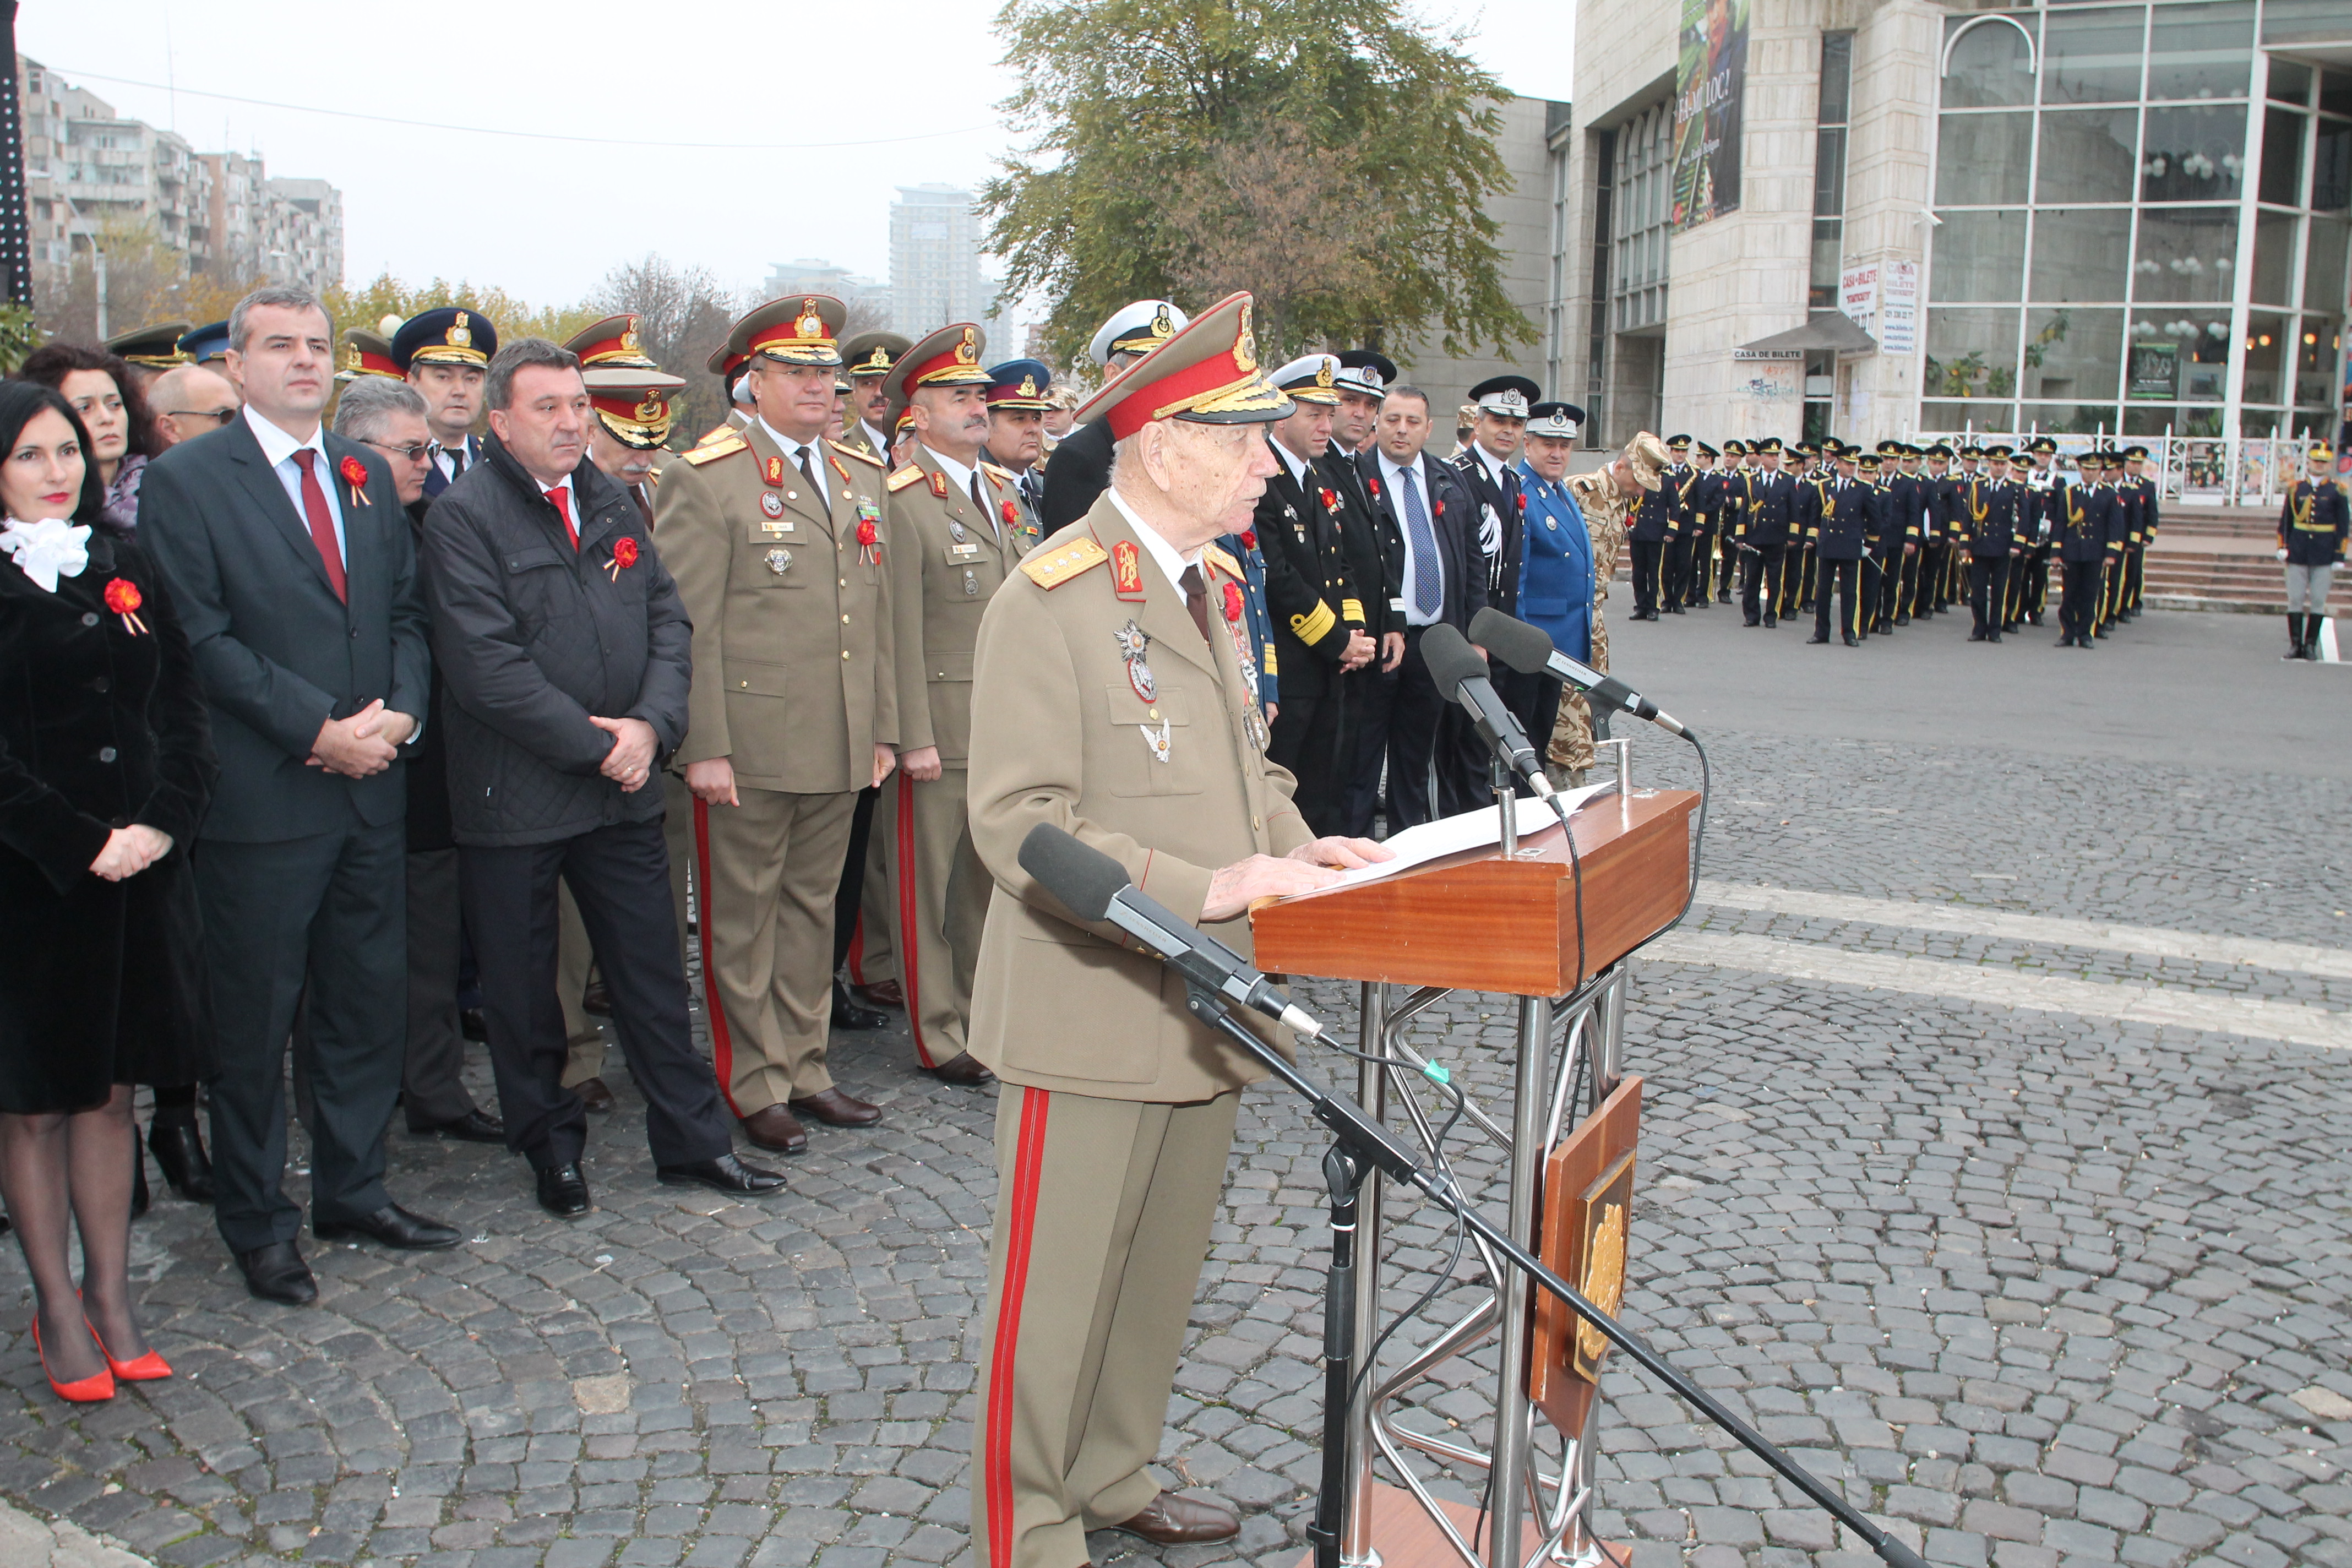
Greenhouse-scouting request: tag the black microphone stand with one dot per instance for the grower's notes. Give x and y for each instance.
(1361, 1143)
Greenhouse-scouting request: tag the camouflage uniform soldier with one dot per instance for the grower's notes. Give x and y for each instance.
(1606, 498)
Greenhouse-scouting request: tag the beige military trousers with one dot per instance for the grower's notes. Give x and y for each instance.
(573, 957)
(940, 891)
(775, 875)
(1103, 1209)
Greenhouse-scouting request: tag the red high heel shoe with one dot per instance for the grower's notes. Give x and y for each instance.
(148, 1368)
(91, 1389)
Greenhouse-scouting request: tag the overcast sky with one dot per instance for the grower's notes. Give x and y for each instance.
(668, 156)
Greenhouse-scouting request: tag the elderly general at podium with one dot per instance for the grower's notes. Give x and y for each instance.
(1109, 699)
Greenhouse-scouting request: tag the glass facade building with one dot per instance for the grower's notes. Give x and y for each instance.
(2141, 216)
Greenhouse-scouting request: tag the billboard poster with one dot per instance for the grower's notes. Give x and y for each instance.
(2155, 373)
(1898, 308)
(1858, 295)
(1710, 77)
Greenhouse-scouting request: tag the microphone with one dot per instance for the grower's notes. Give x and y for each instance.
(1461, 674)
(1531, 651)
(1094, 887)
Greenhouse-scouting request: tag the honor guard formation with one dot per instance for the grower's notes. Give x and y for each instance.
(439, 689)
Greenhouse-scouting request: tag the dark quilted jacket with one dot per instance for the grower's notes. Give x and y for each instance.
(532, 637)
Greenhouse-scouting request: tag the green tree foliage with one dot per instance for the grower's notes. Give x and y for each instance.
(368, 305)
(1173, 142)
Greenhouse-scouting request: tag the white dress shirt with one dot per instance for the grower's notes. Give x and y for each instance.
(1294, 463)
(792, 450)
(1393, 477)
(960, 475)
(442, 461)
(279, 447)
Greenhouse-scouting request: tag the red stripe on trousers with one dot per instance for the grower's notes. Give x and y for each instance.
(996, 1458)
(722, 1047)
(910, 963)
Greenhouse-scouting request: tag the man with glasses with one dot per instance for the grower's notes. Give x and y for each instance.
(445, 353)
(385, 412)
(189, 401)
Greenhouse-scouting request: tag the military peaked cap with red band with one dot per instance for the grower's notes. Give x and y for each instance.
(1207, 373)
(611, 341)
(152, 348)
(948, 357)
(365, 353)
(799, 329)
(632, 404)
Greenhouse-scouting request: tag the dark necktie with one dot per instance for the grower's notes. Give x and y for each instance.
(456, 458)
(1196, 599)
(809, 473)
(322, 524)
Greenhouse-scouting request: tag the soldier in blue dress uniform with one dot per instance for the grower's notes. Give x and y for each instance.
(1556, 582)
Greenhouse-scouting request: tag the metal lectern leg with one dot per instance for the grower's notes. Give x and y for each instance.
(1506, 1482)
(1372, 1092)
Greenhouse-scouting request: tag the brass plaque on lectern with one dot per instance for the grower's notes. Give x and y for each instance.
(1588, 1214)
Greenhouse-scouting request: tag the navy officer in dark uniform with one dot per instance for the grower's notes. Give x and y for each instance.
(1840, 538)
(1081, 467)
(1990, 507)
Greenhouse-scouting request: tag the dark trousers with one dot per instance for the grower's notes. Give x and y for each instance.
(2035, 599)
(431, 1091)
(1843, 578)
(1370, 699)
(1760, 583)
(1807, 577)
(1907, 603)
(1306, 735)
(1426, 757)
(851, 896)
(619, 878)
(1727, 565)
(328, 908)
(1682, 554)
(2078, 597)
(1882, 578)
(1649, 562)
(1988, 590)
(2135, 564)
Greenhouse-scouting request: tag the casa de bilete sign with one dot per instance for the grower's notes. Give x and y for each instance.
(1711, 77)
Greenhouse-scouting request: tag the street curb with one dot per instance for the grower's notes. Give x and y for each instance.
(28, 1540)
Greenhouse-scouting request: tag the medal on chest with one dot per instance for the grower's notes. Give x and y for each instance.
(1253, 719)
(869, 533)
(1134, 642)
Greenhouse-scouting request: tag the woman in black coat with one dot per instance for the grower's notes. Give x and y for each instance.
(105, 765)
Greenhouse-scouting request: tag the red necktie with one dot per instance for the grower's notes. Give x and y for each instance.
(322, 522)
(562, 495)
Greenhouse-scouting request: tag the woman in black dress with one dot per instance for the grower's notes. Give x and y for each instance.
(105, 765)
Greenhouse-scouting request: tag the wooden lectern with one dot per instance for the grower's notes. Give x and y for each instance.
(1485, 920)
(1479, 922)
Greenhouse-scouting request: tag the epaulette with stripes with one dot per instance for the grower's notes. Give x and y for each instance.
(860, 452)
(719, 446)
(1052, 568)
(904, 477)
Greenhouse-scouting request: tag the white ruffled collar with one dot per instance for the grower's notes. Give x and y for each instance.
(47, 550)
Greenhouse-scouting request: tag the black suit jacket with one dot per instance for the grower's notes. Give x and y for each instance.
(277, 653)
(1077, 471)
(1452, 518)
(1312, 594)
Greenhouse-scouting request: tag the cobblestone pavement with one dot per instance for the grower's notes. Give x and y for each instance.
(2043, 1289)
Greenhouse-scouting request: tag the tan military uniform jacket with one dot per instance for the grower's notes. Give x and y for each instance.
(1030, 532)
(795, 679)
(1172, 786)
(853, 436)
(948, 567)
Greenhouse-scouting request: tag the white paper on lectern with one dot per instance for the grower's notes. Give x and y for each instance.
(1471, 830)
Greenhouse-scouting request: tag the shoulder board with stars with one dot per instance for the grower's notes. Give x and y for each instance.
(1223, 561)
(907, 476)
(860, 452)
(1002, 476)
(1052, 568)
(723, 446)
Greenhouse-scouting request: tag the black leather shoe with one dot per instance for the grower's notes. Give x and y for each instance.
(1975, 635)
(1819, 639)
(474, 1127)
(848, 1014)
(277, 1273)
(1851, 640)
(727, 1174)
(179, 1150)
(962, 1071)
(1992, 636)
(594, 1093)
(394, 1226)
(473, 1025)
(1771, 621)
(595, 1000)
(563, 1191)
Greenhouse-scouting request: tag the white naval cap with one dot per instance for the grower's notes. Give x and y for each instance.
(1311, 378)
(1136, 329)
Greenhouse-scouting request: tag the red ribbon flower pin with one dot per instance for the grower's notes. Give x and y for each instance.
(1330, 499)
(1249, 539)
(1376, 487)
(123, 597)
(355, 474)
(1012, 514)
(624, 555)
(1232, 603)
